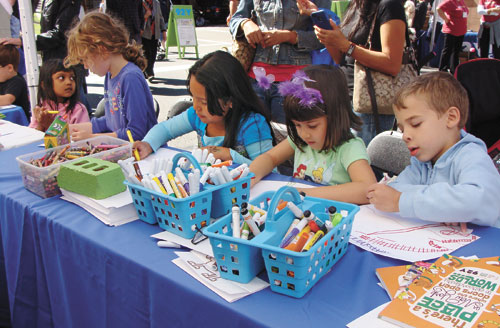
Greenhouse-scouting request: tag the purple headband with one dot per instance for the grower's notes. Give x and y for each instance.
(309, 97)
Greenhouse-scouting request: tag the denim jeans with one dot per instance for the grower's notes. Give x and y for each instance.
(272, 100)
(368, 131)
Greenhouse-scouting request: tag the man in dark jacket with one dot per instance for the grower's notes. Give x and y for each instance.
(57, 18)
(131, 14)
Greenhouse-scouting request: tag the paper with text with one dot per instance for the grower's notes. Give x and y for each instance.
(406, 239)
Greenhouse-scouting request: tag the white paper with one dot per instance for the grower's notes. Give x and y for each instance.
(203, 247)
(14, 135)
(114, 211)
(406, 239)
(186, 32)
(204, 269)
(370, 319)
(272, 185)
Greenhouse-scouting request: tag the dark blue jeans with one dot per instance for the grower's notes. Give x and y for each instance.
(272, 100)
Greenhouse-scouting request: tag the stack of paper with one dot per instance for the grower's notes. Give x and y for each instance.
(13, 135)
(113, 211)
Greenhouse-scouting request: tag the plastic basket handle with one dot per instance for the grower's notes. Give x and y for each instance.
(278, 196)
(190, 157)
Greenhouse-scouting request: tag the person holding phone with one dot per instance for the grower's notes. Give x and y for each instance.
(283, 39)
(346, 43)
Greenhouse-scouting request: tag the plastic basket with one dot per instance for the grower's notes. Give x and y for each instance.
(177, 215)
(230, 193)
(295, 273)
(237, 259)
(42, 180)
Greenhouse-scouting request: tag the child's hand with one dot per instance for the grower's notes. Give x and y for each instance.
(384, 198)
(80, 131)
(463, 225)
(143, 148)
(43, 119)
(221, 153)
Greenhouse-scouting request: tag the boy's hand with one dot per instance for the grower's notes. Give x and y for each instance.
(80, 131)
(222, 153)
(143, 148)
(384, 198)
(463, 225)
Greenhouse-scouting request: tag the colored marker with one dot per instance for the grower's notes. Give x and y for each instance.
(220, 177)
(310, 243)
(293, 245)
(131, 139)
(183, 191)
(298, 228)
(206, 175)
(171, 180)
(225, 173)
(53, 111)
(236, 221)
(204, 154)
(337, 217)
(328, 225)
(166, 184)
(249, 220)
(162, 189)
(236, 172)
(225, 163)
(182, 178)
(245, 231)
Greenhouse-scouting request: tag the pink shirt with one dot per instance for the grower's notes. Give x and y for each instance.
(457, 12)
(78, 115)
(487, 4)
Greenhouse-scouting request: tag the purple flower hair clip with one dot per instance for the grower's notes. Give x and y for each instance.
(264, 81)
(296, 88)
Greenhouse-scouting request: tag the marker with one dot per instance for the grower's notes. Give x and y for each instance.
(210, 159)
(170, 164)
(166, 185)
(252, 208)
(297, 212)
(310, 243)
(236, 221)
(328, 225)
(311, 236)
(171, 180)
(245, 231)
(131, 139)
(181, 187)
(298, 228)
(244, 173)
(331, 211)
(182, 178)
(170, 244)
(236, 172)
(314, 227)
(204, 154)
(162, 189)
(214, 178)
(302, 195)
(300, 241)
(220, 177)
(225, 173)
(194, 185)
(225, 163)
(205, 175)
(281, 206)
(197, 154)
(137, 170)
(337, 217)
(249, 220)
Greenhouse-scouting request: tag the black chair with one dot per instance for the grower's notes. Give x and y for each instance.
(99, 111)
(481, 78)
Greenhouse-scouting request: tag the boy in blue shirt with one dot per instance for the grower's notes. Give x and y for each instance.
(451, 178)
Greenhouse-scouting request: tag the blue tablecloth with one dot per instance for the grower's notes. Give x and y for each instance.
(64, 268)
(15, 115)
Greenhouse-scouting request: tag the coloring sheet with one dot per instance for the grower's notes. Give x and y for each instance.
(411, 240)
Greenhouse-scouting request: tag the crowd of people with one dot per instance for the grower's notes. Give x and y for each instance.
(450, 179)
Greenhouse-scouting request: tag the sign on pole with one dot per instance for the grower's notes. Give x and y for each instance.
(181, 31)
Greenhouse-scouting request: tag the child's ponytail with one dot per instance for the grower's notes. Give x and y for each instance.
(133, 53)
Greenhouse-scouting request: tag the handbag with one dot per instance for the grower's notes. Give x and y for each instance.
(242, 50)
(373, 90)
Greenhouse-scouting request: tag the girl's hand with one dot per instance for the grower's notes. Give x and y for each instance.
(274, 37)
(143, 148)
(306, 7)
(253, 34)
(222, 153)
(43, 119)
(384, 198)
(80, 131)
(332, 38)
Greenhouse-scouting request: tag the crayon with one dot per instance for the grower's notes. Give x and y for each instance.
(53, 111)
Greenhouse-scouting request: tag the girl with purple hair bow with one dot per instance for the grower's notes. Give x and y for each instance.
(319, 122)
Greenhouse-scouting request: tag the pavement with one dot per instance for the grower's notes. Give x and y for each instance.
(169, 84)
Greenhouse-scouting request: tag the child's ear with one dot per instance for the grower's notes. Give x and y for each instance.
(10, 67)
(453, 117)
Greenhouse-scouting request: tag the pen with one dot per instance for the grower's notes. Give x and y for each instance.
(131, 139)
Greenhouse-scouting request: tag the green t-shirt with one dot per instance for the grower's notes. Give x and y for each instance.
(327, 168)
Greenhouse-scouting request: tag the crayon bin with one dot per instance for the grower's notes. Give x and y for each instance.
(227, 194)
(42, 180)
(177, 215)
(295, 273)
(237, 259)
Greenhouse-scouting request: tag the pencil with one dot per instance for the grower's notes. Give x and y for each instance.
(131, 139)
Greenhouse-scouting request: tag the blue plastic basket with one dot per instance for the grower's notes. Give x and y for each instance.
(294, 273)
(230, 193)
(177, 215)
(237, 259)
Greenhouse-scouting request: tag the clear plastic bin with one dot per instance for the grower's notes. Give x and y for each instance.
(42, 180)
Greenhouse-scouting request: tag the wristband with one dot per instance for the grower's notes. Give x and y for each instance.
(350, 50)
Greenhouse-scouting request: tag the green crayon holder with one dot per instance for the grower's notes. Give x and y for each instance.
(295, 273)
(181, 216)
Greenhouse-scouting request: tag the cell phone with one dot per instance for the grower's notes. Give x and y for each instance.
(320, 19)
